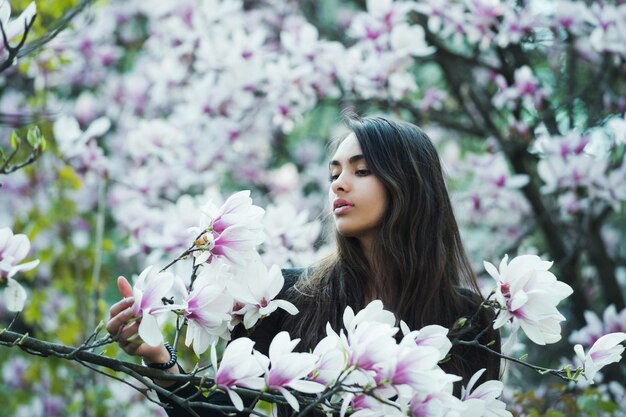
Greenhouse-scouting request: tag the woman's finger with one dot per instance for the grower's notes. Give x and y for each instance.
(129, 333)
(120, 306)
(116, 322)
(124, 286)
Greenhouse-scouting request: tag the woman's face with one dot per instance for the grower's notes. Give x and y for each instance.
(357, 198)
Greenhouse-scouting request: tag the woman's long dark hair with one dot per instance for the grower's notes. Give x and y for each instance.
(418, 261)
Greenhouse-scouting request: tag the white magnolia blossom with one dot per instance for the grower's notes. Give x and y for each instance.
(483, 399)
(13, 249)
(605, 350)
(207, 308)
(14, 28)
(255, 288)
(232, 231)
(149, 290)
(529, 294)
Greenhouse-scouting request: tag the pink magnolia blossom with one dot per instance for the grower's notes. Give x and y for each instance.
(331, 358)
(233, 231)
(207, 308)
(433, 335)
(414, 368)
(288, 368)
(240, 366)
(367, 406)
(605, 350)
(526, 89)
(483, 400)
(596, 327)
(435, 404)
(257, 289)
(149, 289)
(529, 293)
(13, 249)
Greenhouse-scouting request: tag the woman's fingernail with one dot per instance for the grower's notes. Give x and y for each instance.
(128, 312)
(130, 300)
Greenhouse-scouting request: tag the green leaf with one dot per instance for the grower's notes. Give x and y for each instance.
(15, 140)
(34, 137)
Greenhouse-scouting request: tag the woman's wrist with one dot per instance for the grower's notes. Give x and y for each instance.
(162, 356)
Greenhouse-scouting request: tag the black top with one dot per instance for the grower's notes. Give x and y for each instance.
(263, 334)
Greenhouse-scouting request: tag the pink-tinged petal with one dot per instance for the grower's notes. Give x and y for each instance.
(308, 387)
(277, 281)
(293, 402)
(203, 257)
(345, 404)
(18, 247)
(578, 349)
(5, 14)
(236, 399)
(533, 332)
(251, 318)
(240, 292)
(520, 299)
(257, 383)
(491, 270)
(281, 344)
(214, 357)
(149, 330)
(608, 341)
(287, 306)
(16, 27)
(488, 390)
(5, 235)
(14, 296)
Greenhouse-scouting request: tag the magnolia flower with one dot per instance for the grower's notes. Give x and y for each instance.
(529, 294)
(13, 249)
(417, 367)
(288, 368)
(331, 359)
(611, 322)
(17, 26)
(241, 366)
(367, 406)
(432, 335)
(148, 291)
(370, 345)
(483, 401)
(72, 141)
(605, 350)
(207, 308)
(372, 313)
(256, 291)
(233, 231)
(435, 404)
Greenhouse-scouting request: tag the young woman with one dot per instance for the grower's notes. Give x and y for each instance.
(397, 241)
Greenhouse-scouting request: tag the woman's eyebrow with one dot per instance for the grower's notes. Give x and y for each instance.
(351, 160)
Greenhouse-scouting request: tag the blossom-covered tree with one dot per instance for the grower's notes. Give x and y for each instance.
(156, 111)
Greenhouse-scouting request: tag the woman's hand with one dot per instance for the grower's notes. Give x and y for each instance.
(122, 325)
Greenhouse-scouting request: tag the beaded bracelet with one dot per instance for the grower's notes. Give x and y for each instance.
(168, 364)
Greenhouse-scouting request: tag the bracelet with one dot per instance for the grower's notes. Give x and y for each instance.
(168, 364)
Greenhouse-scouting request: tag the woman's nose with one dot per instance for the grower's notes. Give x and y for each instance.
(340, 184)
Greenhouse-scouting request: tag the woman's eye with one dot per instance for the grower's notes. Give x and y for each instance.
(362, 172)
(333, 177)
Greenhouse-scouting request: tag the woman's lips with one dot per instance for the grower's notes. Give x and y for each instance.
(342, 210)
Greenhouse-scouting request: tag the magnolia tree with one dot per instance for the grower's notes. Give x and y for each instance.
(156, 109)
